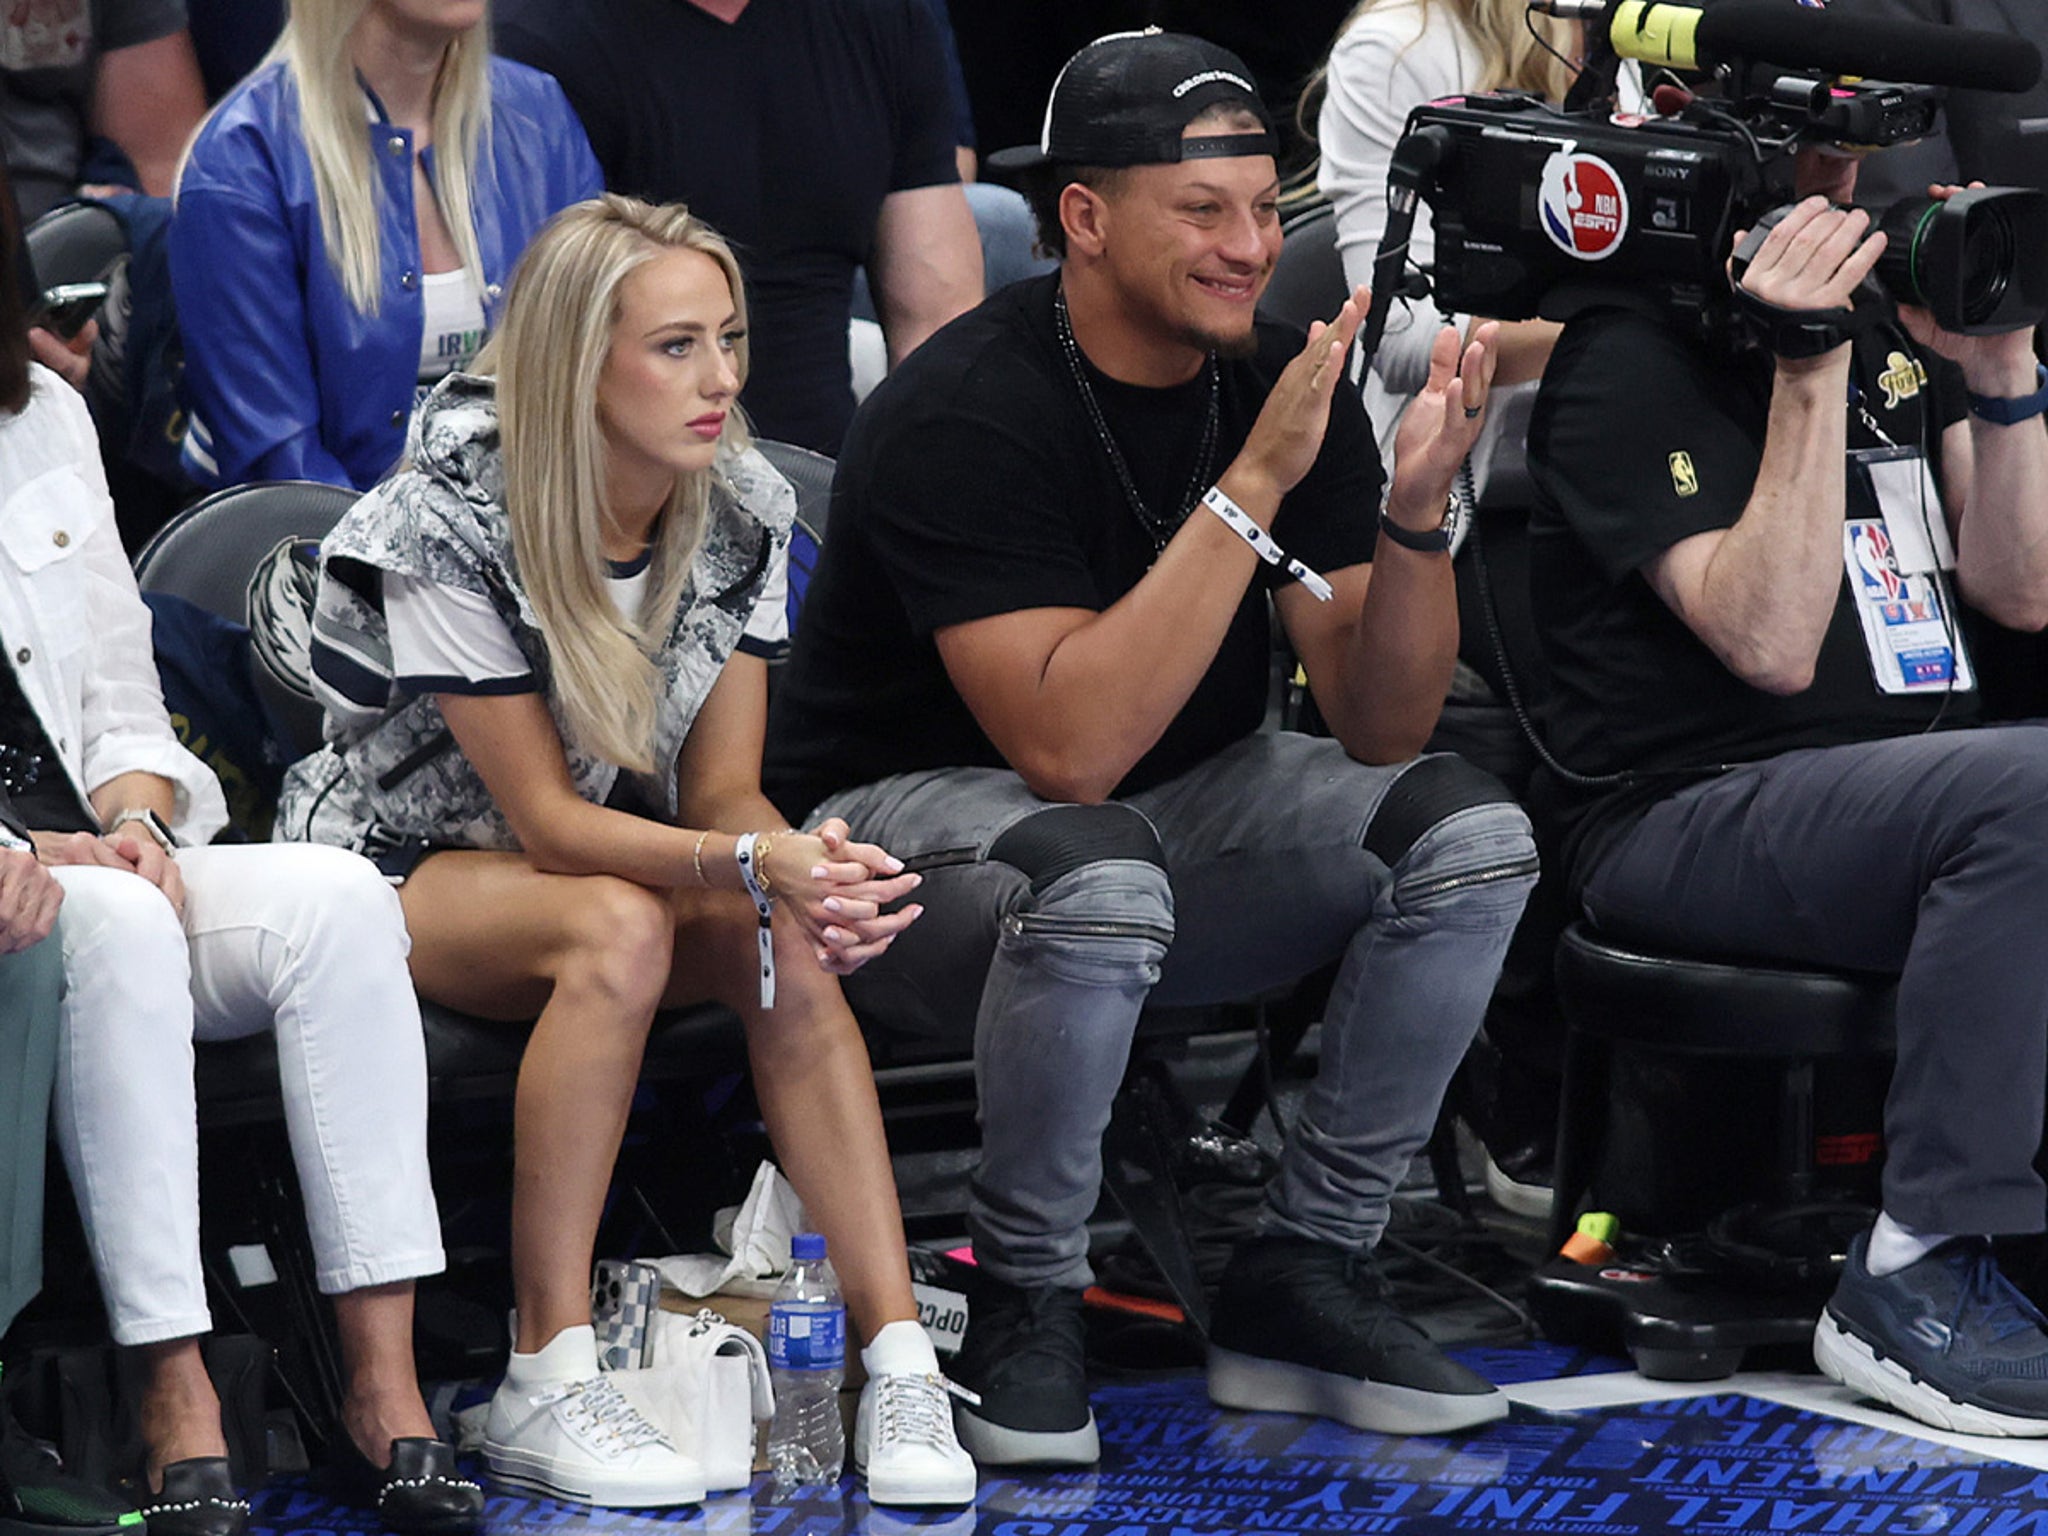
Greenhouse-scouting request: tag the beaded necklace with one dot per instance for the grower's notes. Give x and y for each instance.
(1158, 529)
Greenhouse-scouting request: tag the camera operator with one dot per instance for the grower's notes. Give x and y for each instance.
(1735, 568)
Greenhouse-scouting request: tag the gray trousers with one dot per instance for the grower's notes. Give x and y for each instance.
(31, 984)
(1923, 855)
(1048, 927)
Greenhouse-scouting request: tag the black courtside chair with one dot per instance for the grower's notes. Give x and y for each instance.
(206, 555)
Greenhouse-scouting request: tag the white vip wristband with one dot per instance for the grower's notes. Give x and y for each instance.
(764, 908)
(1239, 522)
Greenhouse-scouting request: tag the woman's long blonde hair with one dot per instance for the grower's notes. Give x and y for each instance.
(1511, 59)
(315, 50)
(547, 356)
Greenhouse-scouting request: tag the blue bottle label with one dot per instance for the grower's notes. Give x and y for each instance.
(806, 1339)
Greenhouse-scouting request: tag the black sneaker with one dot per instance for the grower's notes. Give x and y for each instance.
(1304, 1327)
(1947, 1340)
(1511, 1111)
(1023, 1355)
(39, 1498)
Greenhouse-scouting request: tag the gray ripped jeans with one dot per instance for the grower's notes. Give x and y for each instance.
(1048, 927)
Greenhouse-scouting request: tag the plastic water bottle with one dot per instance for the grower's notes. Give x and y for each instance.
(807, 1363)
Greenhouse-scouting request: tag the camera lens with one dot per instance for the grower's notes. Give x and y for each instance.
(1978, 261)
(1990, 253)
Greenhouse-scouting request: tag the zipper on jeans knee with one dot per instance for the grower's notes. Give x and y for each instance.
(1024, 924)
(1527, 866)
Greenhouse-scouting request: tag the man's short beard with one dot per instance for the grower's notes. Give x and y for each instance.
(1233, 348)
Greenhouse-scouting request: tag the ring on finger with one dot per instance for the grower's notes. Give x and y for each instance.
(1472, 411)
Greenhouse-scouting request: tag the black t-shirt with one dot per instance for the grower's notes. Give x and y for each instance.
(974, 484)
(785, 129)
(1641, 439)
(32, 776)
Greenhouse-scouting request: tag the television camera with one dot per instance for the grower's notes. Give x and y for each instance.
(1544, 211)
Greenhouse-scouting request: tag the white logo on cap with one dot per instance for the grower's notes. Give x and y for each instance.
(1209, 75)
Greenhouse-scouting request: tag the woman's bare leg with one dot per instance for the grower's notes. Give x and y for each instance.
(817, 1091)
(493, 936)
(383, 1401)
(180, 1411)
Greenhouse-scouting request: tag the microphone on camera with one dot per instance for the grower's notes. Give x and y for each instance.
(1796, 36)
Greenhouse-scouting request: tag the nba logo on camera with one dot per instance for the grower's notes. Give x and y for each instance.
(1582, 206)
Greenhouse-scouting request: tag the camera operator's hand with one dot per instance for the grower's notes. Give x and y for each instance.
(1288, 435)
(1441, 424)
(1813, 260)
(1998, 366)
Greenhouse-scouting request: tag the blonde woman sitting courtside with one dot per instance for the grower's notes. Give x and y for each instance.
(541, 647)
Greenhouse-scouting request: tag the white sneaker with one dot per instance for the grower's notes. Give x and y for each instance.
(903, 1440)
(559, 1427)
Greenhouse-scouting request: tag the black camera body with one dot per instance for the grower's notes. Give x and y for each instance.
(1538, 213)
(1544, 212)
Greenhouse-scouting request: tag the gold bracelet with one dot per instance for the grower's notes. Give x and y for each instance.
(762, 844)
(697, 859)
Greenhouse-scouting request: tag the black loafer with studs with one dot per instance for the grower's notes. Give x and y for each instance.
(198, 1499)
(421, 1492)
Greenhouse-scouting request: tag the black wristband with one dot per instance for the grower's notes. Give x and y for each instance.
(1434, 541)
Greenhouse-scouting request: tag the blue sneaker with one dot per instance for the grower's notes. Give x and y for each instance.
(1947, 1340)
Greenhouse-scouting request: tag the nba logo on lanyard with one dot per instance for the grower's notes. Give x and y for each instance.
(1582, 206)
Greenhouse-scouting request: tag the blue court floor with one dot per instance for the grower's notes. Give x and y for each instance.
(1591, 1449)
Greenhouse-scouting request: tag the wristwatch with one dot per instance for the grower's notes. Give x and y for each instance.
(1430, 541)
(151, 823)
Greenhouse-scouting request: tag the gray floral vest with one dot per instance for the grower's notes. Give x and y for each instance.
(391, 774)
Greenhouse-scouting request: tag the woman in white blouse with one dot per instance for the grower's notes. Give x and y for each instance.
(167, 940)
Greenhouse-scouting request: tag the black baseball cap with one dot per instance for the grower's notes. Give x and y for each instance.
(1126, 98)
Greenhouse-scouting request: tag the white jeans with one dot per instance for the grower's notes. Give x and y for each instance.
(305, 939)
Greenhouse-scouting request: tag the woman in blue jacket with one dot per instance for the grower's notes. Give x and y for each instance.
(346, 221)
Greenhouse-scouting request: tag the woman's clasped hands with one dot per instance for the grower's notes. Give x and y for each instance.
(838, 893)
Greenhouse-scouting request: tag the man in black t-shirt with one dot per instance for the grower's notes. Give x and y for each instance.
(1747, 571)
(816, 135)
(1034, 662)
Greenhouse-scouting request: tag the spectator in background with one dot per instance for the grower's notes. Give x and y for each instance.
(231, 37)
(817, 135)
(73, 72)
(326, 268)
(1002, 217)
(1390, 57)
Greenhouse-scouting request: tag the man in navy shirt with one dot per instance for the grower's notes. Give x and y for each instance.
(816, 135)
